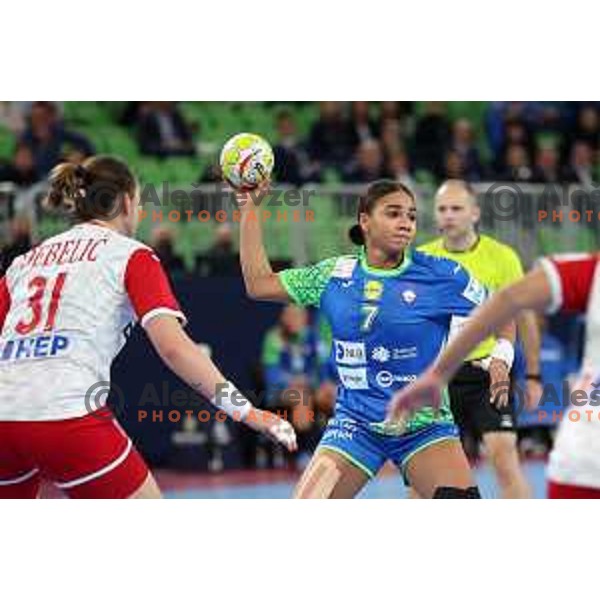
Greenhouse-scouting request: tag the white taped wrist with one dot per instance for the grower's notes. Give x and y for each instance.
(504, 351)
(231, 401)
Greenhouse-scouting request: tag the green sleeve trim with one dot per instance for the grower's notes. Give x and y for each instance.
(305, 285)
(286, 281)
(406, 262)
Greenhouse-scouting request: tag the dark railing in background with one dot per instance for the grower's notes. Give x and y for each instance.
(509, 211)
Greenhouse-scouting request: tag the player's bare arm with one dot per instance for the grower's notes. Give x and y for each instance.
(261, 282)
(529, 332)
(532, 292)
(190, 363)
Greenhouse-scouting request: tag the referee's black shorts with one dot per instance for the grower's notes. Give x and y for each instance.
(471, 407)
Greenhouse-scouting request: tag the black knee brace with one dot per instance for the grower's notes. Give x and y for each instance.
(453, 493)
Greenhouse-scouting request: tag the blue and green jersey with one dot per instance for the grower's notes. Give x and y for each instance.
(388, 325)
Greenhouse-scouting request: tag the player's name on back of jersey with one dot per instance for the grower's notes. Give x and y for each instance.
(39, 346)
(62, 253)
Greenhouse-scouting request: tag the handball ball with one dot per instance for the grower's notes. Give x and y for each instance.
(246, 161)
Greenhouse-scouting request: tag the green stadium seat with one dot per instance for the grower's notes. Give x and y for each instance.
(425, 178)
(218, 121)
(150, 170)
(7, 144)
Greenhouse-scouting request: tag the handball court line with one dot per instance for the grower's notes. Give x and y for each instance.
(279, 484)
(388, 486)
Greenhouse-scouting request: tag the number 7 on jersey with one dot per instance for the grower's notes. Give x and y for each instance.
(369, 312)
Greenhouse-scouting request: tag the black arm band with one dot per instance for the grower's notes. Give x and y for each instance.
(532, 377)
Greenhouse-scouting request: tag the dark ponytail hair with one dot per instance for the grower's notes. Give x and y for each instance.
(367, 203)
(91, 190)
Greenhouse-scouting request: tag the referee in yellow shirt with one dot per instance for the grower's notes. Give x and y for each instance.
(495, 265)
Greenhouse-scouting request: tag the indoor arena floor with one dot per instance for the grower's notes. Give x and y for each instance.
(279, 484)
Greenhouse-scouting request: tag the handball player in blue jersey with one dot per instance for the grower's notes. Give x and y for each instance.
(391, 310)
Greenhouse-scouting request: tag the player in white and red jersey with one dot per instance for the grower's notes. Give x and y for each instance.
(566, 283)
(65, 307)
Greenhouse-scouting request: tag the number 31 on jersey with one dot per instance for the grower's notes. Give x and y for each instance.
(39, 286)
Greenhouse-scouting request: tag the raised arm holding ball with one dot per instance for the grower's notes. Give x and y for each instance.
(390, 310)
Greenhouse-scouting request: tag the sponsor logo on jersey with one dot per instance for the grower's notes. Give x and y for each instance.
(334, 435)
(350, 353)
(344, 267)
(506, 421)
(404, 353)
(385, 379)
(373, 290)
(382, 354)
(409, 296)
(474, 292)
(353, 379)
(40, 346)
(340, 429)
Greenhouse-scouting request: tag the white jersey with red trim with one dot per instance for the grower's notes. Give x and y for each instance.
(66, 309)
(575, 285)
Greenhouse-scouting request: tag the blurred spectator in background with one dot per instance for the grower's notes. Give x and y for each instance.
(391, 137)
(581, 164)
(49, 140)
(163, 243)
(587, 129)
(133, 113)
(12, 116)
(221, 258)
(400, 111)
(331, 142)
(364, 127)
(547, 165)
(515, 133)
(517, 165)
(464, 145)
(292, 163)
(19, 242)
(453, 167)
(432, 137)
(497, 116)
(291, 369)
(368, 165)
(397, 168)
(223, 244)
(549, 118)
(388, 110)
(21, 170)
(162, 131)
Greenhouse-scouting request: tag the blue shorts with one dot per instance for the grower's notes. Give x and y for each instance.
(368, 450)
